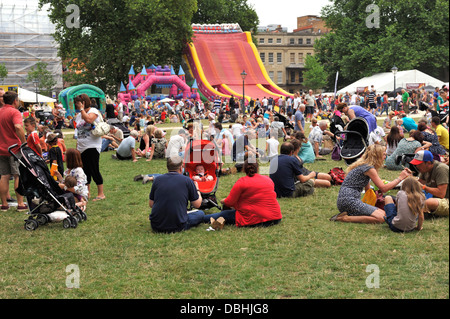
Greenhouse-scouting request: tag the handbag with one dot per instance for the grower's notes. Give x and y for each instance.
(370, 198)
(336, 153)
(101, 128)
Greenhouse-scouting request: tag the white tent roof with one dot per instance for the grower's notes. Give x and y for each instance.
(30, 97)
(385, 81)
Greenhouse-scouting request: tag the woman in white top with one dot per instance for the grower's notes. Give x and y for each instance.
(88, 144)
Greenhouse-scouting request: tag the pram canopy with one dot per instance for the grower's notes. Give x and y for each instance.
(356, 138)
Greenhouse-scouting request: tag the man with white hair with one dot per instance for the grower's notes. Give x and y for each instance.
(316, 139)
(126, 150)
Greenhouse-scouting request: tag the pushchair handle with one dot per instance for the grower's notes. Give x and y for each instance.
(14, 146)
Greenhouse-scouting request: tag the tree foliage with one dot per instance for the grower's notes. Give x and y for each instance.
(226, 11)
(3, 72)
(314, 76)
(115, 34)
(44, 78)
(412, 34)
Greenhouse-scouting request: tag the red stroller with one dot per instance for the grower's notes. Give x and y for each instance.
(206, 153)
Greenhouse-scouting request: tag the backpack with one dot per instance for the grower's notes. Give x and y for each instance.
(337, 176)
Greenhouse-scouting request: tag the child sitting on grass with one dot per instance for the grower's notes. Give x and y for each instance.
(79, 192)
(408, 211)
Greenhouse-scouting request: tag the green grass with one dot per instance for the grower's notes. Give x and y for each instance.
(306, 256)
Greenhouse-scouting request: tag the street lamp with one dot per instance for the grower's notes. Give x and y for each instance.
(394, 71)
(243, 76)
(36, 82)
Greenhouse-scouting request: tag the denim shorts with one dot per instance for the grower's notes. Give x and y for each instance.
(391, 213)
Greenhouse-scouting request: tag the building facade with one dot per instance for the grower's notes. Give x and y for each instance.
(25, 40)
(283, 53)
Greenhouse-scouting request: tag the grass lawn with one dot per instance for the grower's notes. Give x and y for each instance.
(306, 256)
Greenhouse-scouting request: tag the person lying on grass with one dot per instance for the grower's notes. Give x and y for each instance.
(359, 174)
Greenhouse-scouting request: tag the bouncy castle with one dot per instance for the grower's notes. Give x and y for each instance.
(161, 77)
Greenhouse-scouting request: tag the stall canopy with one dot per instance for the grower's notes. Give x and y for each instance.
(384, 82)
(30, 97)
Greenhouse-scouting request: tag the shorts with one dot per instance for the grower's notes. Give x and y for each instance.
(303, 189)
(8, 166)
(309, 110)
(391, 212)
(372, 105)
(442, 210)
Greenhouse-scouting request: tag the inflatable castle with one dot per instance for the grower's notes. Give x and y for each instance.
(161, 77)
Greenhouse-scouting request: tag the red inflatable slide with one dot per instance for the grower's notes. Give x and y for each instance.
(216, 60)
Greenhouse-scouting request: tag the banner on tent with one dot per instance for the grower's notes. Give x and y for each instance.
(362, 89)
(414, 86)
(6, 88)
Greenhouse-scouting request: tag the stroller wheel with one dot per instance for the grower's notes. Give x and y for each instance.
(78, 217)
(42, 219)
(74, 222)
(83, 216)
(67, 223)
(31, 224)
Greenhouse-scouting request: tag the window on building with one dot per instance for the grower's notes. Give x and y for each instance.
(292, 76)
(300, 77)
(308, 41)
(278, 40)
(292, 58)
(280, 77)
(300, 58)
(262, 55)
(291, 41)
(270, 57)
(261, 40)
(271, 75)
(270, 40)
(300, 41)
(279, 58)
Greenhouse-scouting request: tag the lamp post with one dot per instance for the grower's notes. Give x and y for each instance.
(243, 76)
(394, 71)
(36, 82)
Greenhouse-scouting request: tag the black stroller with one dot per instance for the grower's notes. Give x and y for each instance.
(47, 202)
(356, 139)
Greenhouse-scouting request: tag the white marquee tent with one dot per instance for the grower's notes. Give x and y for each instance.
(385, 81)
(30, 97)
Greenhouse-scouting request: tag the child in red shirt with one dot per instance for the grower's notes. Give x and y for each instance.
(32, 135)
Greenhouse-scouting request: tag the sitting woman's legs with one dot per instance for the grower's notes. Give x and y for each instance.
(228, 215)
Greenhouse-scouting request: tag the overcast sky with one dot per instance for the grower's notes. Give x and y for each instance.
(285, 12)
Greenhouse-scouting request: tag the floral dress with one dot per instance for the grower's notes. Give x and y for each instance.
(349, 198)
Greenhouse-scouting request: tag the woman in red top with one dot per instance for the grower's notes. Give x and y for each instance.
(253, 200)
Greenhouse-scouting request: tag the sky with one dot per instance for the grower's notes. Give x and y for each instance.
(285, 12)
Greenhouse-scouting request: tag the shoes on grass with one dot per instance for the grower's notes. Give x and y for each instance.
(138, 178)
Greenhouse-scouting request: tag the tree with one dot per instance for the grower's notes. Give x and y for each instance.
(112, 35)
(44, 78)
(411, 34)
(3, 72)
(314, 76)
(226, 11)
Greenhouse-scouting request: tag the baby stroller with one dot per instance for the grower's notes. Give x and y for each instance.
(356, 139)
(206, 153)
(47, 202)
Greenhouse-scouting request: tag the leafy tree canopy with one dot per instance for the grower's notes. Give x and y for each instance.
(411, 34)
(226, 11)
(112, 35)
(44, 78)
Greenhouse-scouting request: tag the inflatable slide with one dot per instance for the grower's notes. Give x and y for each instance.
(216, 58)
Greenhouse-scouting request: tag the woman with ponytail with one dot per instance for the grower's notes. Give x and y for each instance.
(252, 200)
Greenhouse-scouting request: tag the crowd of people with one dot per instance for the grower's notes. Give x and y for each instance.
(270, 130)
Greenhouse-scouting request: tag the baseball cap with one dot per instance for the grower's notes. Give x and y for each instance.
(422, 156)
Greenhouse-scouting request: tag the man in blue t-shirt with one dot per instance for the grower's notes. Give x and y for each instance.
(169, 198)
(300, 119)
(285, 172)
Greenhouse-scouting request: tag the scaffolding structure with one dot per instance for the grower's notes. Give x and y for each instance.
(26, 39)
